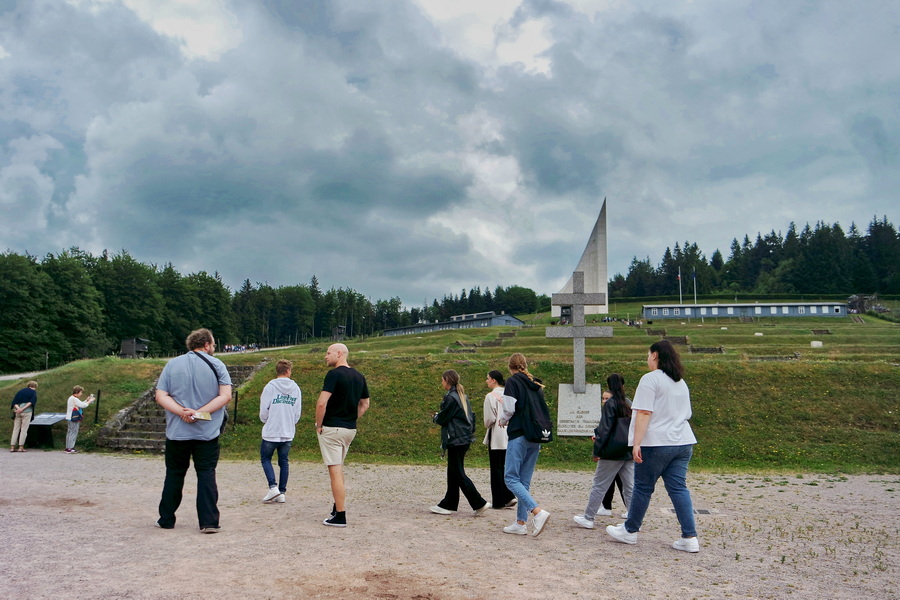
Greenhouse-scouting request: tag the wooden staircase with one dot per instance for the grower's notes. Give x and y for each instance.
(142, 425)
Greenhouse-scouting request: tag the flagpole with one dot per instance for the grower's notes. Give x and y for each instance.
(695, 286)
(680, 297)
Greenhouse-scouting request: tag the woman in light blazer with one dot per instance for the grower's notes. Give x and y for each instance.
(496, 440)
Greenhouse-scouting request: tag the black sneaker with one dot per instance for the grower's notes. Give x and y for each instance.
(339, 519)
(333, 509)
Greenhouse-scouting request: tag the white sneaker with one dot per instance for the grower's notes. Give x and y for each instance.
(625, 515)
(273, 493)
(538, 522)
(440, 511)
(582, 522)
(480, 511)
(619, 533)
(516, 529)
(604, 512)
(687, 544)
(279, 499)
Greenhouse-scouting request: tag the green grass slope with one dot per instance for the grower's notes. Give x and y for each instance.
(835, 408)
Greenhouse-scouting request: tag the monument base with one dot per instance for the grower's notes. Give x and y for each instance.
(578, 414)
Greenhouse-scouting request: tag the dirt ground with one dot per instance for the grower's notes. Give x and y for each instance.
(82, 526)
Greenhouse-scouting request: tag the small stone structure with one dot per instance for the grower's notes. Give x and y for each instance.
(142, 424)
(678, 340)
(821, 332)
(707, 350)
(659, 332)
(794, 356)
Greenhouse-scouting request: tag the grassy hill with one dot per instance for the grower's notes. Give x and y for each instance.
(836, 408)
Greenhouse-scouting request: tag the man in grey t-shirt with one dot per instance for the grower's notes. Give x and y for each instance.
(189, 386)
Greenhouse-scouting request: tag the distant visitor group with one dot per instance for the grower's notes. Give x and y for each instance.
(636, 442)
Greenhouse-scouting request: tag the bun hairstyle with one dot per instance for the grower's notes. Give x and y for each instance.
(518, 364)
(668, 360)
(497, 376)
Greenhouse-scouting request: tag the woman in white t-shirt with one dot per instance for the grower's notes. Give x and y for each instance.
(663, 444)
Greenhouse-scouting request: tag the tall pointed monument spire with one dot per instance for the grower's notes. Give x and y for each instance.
(593, 265)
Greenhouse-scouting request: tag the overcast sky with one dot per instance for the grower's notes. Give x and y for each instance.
(414, 148)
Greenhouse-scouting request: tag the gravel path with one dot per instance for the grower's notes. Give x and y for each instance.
(81, 526)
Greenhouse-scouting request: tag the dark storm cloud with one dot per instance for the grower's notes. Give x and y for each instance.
(355, 142)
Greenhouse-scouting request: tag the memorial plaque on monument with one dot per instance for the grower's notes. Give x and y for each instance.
(578, 409)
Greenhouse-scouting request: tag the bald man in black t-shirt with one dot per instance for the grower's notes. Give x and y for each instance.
(344, 398)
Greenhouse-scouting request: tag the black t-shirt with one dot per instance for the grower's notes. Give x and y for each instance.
(347, 387)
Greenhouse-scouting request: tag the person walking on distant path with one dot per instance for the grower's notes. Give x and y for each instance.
(343, 399)
(279, 409)
(194, 388)
(22, 405)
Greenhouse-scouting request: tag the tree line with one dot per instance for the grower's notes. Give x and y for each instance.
(75, 305)
(816, 260)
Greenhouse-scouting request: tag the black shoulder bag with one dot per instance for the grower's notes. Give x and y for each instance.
(216, 373)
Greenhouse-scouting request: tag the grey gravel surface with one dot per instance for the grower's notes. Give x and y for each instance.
(82, 526)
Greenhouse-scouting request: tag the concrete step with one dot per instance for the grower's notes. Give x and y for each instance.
(155, 425)
(141, 434)
(137, 444)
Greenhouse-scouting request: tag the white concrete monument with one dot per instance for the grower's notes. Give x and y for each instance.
(578, 408)
(593, 265)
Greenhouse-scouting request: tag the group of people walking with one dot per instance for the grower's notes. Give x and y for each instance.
(635, 444)
(195, 394)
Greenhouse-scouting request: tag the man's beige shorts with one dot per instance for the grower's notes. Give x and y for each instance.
(334, 443)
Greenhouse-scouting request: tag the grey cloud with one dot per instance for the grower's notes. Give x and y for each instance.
(329, 141)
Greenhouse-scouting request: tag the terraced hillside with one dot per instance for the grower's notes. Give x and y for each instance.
(834, 408)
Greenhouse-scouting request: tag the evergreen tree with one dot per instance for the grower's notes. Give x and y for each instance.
(77, 313)
(27, 337)
(132, 300)
(882, 246)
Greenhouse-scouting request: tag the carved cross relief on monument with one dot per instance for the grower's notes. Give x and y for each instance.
(579, 404)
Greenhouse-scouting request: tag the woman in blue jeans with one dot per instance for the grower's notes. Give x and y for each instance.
(521, 455)
(663, 443)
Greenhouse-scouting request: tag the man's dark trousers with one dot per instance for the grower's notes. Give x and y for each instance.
(178, 459)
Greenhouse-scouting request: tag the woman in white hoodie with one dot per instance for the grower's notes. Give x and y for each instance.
(279, 409)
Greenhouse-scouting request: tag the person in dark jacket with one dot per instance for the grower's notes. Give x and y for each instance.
(23, 408)
(521, 454)
(457, 423)
(613, 462)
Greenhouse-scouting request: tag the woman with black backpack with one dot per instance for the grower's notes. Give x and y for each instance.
(457, 423)
(524, 410)
(611, 451)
